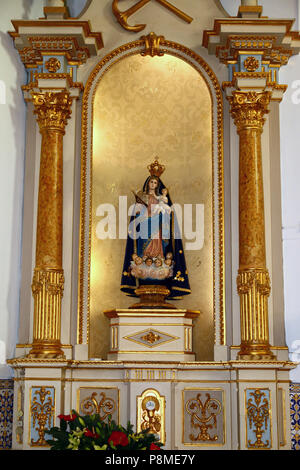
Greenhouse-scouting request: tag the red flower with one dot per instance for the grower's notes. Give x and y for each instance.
(154, 447)
(91, 434)
(67, 417)
(118, 438)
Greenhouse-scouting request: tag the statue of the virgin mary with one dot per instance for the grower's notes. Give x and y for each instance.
(154, 265)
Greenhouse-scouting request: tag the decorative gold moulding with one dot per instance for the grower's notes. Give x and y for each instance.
(272, 39)
(152, 297)
(75, 41)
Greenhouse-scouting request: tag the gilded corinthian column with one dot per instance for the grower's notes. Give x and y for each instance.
(253, 282)
(53, 110)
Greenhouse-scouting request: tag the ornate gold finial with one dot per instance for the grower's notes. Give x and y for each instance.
(156, 169)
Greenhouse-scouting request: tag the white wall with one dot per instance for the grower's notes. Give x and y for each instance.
(12, 142)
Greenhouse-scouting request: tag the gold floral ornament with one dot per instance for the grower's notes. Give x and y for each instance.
(258, 415)
(104, 407)
(42, 412)
(251, 64)
(151, 337)
(203, 416)
(52, 65)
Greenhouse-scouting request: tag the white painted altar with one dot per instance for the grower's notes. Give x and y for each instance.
(218, 362)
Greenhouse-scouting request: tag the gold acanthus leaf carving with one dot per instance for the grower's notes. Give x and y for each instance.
(53, 109)
(52, 281)
(248, 108)
(248, 280)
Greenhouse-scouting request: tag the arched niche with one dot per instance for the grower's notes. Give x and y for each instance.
(136, 107)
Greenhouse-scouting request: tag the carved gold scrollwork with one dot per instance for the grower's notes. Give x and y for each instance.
(152, 45)
(42, 411)
(258, 414)
(106, 406)
(203, 416)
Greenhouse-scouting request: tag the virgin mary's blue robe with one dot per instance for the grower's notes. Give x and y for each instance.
(145, 229)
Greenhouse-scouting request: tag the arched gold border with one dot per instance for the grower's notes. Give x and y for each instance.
(176, 50)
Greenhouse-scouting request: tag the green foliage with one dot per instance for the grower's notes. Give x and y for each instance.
(88, 432)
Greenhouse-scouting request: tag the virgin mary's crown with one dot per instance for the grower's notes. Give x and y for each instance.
(156, 169)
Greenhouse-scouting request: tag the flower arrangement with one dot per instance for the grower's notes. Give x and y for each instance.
(88, 432)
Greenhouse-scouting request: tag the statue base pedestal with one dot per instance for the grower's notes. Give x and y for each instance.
(151, 334)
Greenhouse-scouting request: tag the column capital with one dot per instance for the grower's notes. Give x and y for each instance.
(248, 108)
(53, 109)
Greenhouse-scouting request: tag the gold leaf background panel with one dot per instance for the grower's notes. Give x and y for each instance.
(146, 107)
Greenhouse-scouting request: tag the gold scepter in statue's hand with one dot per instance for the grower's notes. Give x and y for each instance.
(138, 200)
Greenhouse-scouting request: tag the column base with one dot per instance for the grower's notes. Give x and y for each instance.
(45, 350)
(259, 352)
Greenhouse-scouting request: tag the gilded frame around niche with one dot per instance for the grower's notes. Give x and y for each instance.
(105, 64)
